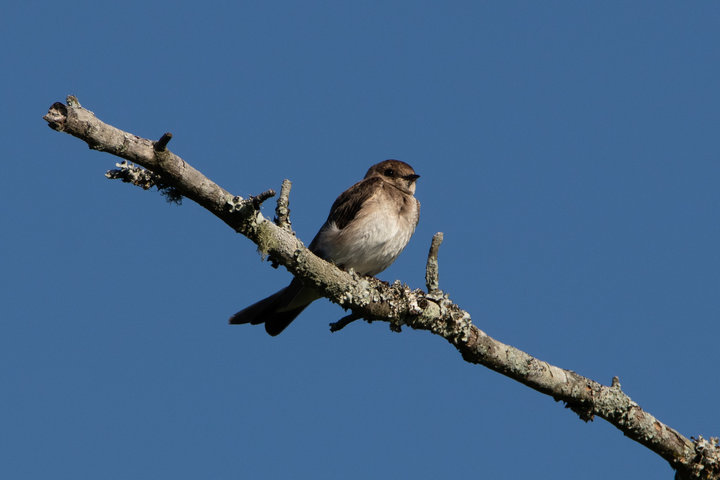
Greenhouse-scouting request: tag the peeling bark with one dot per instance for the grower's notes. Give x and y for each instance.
(371, 299)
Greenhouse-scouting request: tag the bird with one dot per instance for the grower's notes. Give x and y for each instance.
(368, 226)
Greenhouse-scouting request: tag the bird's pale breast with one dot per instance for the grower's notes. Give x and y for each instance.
(375, 237)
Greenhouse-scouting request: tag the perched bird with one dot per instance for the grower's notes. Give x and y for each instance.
(368, 226)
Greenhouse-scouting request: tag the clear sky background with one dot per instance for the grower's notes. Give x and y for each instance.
(568, 150)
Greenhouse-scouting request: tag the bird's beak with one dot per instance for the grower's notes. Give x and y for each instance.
(411, 178)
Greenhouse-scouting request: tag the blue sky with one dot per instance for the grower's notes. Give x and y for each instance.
(568, 151)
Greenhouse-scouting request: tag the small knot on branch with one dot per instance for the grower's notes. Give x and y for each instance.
(282, 211)
(432, 275)
(161, 144)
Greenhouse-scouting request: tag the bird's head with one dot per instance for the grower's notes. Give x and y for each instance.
(395, 172)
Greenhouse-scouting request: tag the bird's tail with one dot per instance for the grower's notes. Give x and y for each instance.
(279, 309)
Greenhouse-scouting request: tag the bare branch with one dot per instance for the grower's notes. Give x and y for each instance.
(372, 299)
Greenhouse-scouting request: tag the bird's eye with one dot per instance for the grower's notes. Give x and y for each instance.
(389, 172)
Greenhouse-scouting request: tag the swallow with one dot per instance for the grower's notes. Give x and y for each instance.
(368, 226)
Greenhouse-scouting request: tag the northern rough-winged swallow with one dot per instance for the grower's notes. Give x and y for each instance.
(368, 226)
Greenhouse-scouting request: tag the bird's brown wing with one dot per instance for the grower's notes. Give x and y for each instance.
(348, 204)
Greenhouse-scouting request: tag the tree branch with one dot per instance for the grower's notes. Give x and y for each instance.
(432, 269)
(282, 211)
(344, 322)
(396, 304)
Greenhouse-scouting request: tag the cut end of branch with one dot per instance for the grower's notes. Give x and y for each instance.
(161, 144)
(56, 116)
